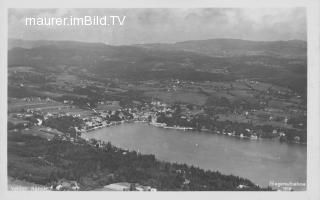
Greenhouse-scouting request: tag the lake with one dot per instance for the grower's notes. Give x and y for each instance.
(261, 161)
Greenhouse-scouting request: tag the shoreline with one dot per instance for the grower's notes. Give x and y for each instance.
(161, 125)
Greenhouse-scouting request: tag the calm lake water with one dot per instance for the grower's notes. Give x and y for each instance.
(260, 160)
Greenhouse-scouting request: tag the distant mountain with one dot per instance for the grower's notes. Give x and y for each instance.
(29, 44)
(237, 47)
(129, 62)
(211, 47)
(283, 62)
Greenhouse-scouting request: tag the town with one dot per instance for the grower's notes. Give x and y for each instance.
(243, 121)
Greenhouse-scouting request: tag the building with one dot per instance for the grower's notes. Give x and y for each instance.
(124, 186)
(64, 184)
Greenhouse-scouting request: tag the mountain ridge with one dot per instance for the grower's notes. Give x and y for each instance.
(220, 47)
(237, 47)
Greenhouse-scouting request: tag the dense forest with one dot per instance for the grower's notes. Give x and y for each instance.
(93, 166)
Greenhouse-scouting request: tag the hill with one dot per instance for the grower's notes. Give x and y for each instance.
(238, 47)
(280, 62)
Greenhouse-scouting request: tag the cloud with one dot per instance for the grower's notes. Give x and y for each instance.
(150, 25)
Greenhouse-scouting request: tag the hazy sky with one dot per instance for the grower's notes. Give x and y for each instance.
(166, 25)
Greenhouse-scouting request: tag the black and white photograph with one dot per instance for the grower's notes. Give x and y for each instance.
(159, 99)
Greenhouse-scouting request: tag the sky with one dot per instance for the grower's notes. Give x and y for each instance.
(166, 25)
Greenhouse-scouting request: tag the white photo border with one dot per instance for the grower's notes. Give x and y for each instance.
(313, 160)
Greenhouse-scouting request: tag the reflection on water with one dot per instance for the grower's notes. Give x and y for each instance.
(261, 161)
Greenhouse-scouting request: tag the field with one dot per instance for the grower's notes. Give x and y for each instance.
(178, 96)
(110, 105)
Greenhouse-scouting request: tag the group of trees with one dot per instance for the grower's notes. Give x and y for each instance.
(18, 126)
(92, 95)
(298, 122)
(238, 104)
(65, 124)
(82, 102)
